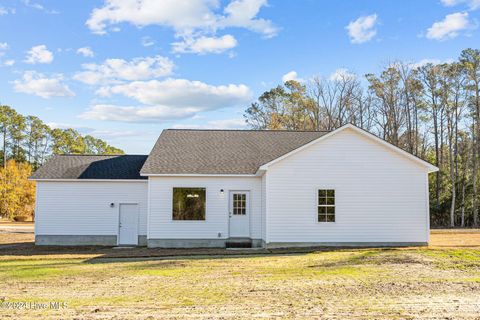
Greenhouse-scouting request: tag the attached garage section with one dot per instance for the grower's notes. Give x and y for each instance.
(88, 213)
(91, 200)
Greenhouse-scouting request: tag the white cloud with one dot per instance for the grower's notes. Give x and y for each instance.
(472, 4)
(62, 125)
(184, 93)
(362, 29)
(342, 74)
(147, 41)
(107, 112)
(183, 16)
(117, 70)
(292, 75)
(171, 99)
(227, 124)
(449, 27)
(39, 54)
(103, 91)
(35, 83)
(421, 63)
(3, 47)
(9, 62)
(112, 134)
(202, 45)
(97, 133)
(5, 11)
(242, 14)
(86, 52)
(191, 20)
(194, 96)
(38, 6)
(216, 124)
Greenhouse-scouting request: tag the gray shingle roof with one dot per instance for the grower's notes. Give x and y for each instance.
(221, 151)
(91, 167)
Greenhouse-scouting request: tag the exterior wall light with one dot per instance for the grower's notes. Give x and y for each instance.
(221, 192)
(112, 205)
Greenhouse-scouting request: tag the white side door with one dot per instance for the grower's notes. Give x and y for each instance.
(239, 214)
(128, 224)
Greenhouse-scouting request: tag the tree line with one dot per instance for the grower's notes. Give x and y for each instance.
(29, 139)
(431, 111)
(27, 142)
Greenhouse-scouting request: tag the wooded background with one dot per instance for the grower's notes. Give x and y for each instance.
(431, 111)
(27, 143)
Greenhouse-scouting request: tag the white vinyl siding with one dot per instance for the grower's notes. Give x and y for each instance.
(264, 207)
(162, 226)
(379, 194)
(83, 208)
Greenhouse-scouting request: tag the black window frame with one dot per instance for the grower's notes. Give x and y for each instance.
(326, 206)
(181, 214)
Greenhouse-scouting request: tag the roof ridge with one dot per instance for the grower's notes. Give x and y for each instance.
(97, 155)
(247, 130)
(201, 151)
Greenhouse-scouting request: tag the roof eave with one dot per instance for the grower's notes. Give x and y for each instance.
(197, 175)
(86, 180)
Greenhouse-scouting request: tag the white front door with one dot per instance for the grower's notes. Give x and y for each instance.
(128, 224)
(239, 214)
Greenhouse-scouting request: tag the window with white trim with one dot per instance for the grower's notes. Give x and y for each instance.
(188, 203)
(239, 204)
(326, 205)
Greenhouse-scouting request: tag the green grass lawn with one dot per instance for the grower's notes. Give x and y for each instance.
(370, 283)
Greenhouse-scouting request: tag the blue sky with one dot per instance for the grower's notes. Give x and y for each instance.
(123, 70)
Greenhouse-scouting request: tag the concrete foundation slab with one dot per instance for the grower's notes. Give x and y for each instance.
(75, 240)
(273, 245)
(82, 240)
(194, 243)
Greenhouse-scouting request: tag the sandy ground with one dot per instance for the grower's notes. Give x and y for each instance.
(14, 233)
(451, 238)
(21, 234)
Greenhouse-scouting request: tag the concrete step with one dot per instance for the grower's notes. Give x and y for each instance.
(238, 243)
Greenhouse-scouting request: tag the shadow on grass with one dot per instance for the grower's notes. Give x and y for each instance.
(98, 254)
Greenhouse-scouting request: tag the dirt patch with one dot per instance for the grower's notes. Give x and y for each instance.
(16, 223)
(334, 284)
(142, 283)
(455, 238)
(22, 245)
(16, 238)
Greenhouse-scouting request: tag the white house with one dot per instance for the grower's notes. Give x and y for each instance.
(215, 188)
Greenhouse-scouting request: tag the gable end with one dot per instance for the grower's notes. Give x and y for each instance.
(430, 167)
